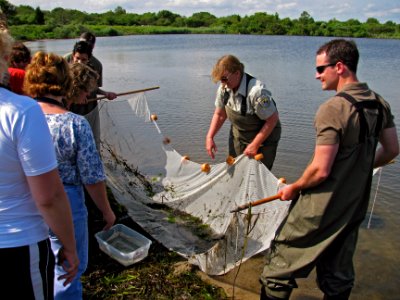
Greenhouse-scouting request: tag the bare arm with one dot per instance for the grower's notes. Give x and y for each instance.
(98, 193)
(108, 95)
(262, 135)
(51, 200)
(315, 173)
(217, 121)
(389, 147)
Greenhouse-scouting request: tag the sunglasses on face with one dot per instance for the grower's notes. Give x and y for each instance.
(321, 69)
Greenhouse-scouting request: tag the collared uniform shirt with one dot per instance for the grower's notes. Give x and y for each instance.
(259, 99)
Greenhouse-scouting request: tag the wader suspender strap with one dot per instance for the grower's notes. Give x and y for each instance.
(363, 122)
(225, 96)
(243, 106)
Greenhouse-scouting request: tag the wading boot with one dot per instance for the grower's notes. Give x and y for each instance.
(342, 296)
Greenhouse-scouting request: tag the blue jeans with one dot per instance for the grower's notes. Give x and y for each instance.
(73, 291)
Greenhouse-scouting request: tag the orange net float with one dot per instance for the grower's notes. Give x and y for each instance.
(259, 156)
(282, 180)
(185, 158)
(166, 140)
(153, 117)
(230, 160)
(205, 168)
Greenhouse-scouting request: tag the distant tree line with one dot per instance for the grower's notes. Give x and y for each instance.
(27, 23)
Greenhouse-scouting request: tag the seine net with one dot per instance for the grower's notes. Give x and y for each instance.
(181, 206)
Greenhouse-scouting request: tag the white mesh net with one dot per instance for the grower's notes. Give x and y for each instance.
(184, 208)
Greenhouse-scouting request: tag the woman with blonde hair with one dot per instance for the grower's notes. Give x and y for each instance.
(49, 79)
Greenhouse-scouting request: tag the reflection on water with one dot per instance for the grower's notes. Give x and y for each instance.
(181, 66)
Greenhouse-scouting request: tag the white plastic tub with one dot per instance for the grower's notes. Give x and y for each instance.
(123, 244)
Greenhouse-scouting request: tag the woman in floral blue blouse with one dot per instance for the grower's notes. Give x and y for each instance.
(49, 80)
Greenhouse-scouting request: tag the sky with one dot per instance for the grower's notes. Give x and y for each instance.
(320, 10)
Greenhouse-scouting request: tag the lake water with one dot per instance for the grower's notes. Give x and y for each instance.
(181, 65)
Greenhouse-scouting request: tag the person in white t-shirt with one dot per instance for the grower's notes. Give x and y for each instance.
(31, 195)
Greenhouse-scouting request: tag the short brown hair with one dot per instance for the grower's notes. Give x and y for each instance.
(84, 79)
(341, 50)
(47, 73)
(20, 54)
(88, 37)
(228, 63)
(83, 47)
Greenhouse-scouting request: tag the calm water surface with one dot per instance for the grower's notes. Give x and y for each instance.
(181, 64)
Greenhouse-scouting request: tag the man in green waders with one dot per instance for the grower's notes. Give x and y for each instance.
(249, 107)
(322, 226)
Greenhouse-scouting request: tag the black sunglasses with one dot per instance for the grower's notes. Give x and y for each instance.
(321, 69)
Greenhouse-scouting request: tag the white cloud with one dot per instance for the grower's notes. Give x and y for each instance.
(381, 13)
(286, 5)
(369, 6)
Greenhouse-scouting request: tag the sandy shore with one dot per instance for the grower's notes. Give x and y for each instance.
(247, 287)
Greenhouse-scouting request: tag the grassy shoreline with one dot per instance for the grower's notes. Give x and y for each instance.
(43, 32)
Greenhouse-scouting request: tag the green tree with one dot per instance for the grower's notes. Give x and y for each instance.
(278, 29)
(58, 16)
(126, 19)
(39, 16)
(7, 8)
(305, 18)
(229, 24)
(79, 18)
(372, 21)
(287, 24)
(165, 18)
(8, 12)
(304, 25)
(201, 19)
(261, 23)
(132, 19)
(109, 18)
(179, 22)
(24, 15)
(148, 19)
(119, 11)
(229, 20)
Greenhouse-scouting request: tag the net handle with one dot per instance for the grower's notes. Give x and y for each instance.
(126, 93)
(257, 202)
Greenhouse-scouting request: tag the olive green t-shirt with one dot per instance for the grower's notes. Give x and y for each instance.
(337, 121)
